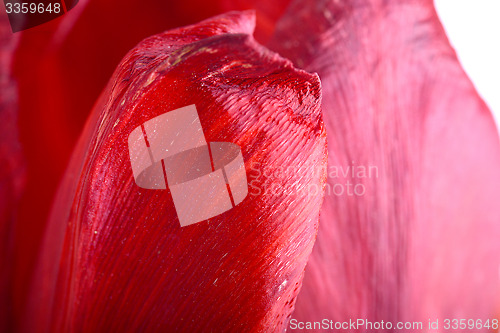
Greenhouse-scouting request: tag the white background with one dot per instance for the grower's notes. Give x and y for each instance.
(473, 27)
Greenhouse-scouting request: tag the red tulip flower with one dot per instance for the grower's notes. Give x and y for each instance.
(404, 190)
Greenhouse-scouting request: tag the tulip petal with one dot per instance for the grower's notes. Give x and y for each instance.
(115, 257)
(61, 68)
(12, 169)
(420, 238)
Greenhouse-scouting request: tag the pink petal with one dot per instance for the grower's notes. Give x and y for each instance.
(423, 240)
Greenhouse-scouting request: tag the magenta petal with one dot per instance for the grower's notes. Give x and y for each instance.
(422, 241)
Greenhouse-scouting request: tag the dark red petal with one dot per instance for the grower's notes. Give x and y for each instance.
(62, 66)
(423, 241)
(12, 168)
(115, 258)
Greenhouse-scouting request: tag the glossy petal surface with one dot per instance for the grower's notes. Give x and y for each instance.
(61, 67)
(115, 258)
